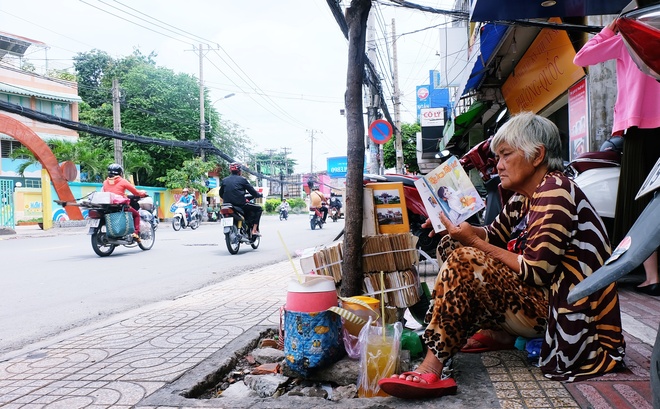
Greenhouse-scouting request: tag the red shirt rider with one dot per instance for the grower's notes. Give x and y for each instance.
(115, 183)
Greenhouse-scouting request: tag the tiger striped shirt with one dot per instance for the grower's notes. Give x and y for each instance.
(565, 242)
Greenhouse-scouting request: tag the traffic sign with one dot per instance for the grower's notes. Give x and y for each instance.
(380, 131)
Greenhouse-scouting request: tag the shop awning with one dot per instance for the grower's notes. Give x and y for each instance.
(489, 41)
(33, 92)
(462, 123)
(492, 10)
(491, 37)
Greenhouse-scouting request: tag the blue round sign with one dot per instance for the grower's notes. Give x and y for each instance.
(380, 131)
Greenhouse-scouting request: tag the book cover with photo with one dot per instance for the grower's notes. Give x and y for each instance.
(448, 189)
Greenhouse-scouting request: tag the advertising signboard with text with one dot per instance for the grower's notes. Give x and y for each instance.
(578, 119)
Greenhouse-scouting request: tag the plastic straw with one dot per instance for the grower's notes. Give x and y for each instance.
(295, 270)
(382, 300)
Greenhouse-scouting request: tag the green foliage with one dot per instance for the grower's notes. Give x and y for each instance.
(190, 175)
(28, 66)
(409, 145)
(92, 157)
(93, 87)
(62, 74)
(271, 205)
(273, 164)
(297, 203)
(155, 102)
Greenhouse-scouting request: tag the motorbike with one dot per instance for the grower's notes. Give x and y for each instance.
(284, 214)
(315, 218)
(180, 220)
(236, 229)
(597, 174)
(334, 213)
(102, 206)
(642, 240)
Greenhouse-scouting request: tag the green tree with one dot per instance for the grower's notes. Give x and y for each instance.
(409, 145)
(62, 75)
(155, 102)
(191, 175)
(278, 161)
(92, 159)
(91, 68)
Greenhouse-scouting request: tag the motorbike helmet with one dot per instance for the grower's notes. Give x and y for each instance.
(235, 167)
(185, 190)
(115, 169)
(615, 143)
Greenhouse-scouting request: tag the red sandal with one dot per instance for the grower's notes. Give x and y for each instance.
(404, 389)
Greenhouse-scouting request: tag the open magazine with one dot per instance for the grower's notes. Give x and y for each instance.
(449, 189)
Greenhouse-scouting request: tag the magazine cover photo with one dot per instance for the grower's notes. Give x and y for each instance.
(448, 189)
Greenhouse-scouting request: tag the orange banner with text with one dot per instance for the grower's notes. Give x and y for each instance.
(545, 72)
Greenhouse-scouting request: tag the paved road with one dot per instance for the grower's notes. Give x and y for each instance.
(53, 281)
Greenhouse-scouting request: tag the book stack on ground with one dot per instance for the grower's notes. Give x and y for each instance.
(401, 287)
(396, 256)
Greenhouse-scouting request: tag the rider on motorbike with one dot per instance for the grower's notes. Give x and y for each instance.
(186, 199)
(285, 207)
(336, 203)
(232, 190)
(115, 183)
(318, 200)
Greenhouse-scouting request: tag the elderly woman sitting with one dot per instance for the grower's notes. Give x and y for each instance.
(512, 277)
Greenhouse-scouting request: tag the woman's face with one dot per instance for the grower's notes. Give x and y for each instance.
(512, 167)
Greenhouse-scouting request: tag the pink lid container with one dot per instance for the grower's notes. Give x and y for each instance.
(313, 293)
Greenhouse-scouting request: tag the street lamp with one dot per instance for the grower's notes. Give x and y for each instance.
(225, 97)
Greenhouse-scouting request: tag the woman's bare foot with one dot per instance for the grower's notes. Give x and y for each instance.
(430, 364)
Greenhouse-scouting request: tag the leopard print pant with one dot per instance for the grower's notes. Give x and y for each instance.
(473, 291)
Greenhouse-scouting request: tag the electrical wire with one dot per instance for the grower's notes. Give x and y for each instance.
(134, 23)
(297, 124)
(246, 78)
(163, 24)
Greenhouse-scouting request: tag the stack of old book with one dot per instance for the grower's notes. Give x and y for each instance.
(395, 255)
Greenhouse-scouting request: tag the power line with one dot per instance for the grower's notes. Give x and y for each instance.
(249, 94)
(133, 22)
(185, 33)
(257, 88)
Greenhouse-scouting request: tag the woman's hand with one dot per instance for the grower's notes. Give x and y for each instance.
(463, 232)
(429, 225)
(613, 26)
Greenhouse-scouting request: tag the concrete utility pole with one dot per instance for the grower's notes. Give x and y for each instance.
(311, 137)
(398, 146)
(270, 166)
(202, 122)
(286, 170)
(202, 125)
(116, 121)
(286, 162)
(373, 97)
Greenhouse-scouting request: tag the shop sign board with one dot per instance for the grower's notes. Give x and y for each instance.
(578, 119)
(545, 72)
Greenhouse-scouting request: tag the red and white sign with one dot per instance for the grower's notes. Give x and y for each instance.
(432, 117)
(422, 93)
(578, 120)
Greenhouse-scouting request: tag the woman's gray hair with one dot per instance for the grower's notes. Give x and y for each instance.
(527, 132)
